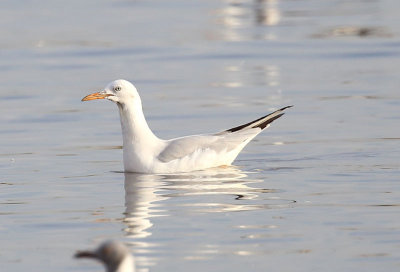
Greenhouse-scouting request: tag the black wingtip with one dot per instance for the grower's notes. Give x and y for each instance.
(264, 124)
(284, 108)
(269, 121)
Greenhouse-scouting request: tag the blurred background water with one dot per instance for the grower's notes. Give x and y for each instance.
(317, 191)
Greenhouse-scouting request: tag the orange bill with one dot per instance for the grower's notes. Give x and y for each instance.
(94, 96)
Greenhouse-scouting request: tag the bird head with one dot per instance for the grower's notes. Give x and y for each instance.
(110, 253)
(119, 91)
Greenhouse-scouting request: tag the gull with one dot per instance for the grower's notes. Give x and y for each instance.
(114, 255)
(144, 152)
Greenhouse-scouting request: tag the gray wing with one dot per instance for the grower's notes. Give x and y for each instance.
(182, 147)
(226, 140)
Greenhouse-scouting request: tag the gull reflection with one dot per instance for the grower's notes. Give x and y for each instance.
(217, 181)
(141, 200)
(233, 76)
(242, 198)
(222, 189)
(238, 16)
(267, 12)
(144, 194)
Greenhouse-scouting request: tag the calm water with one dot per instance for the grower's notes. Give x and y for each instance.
(318, 191)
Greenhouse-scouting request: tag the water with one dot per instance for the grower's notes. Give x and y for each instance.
(318, 191)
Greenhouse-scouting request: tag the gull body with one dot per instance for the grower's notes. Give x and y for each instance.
(144, 152)
(114, 255)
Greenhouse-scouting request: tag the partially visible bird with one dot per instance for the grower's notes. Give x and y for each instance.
(145, 153)
(114, 255)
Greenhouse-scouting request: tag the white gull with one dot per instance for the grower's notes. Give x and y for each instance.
(144, 152)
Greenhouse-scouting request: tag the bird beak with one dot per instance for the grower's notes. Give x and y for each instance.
(98, 95)
(85, 254)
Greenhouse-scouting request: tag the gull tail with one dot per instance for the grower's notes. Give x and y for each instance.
(262, 122)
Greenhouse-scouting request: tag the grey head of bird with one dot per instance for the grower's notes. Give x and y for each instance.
(114, 255)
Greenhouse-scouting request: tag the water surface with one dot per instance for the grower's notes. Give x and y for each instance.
(318, 191)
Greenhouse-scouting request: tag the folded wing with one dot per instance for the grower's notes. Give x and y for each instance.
(224, 141)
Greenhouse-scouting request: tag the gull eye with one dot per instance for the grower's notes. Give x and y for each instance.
(117, 89)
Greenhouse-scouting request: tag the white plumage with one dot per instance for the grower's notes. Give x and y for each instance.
(145, 153)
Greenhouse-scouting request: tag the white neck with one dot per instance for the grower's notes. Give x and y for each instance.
(138, 139)
(133, 124)
(127, 265)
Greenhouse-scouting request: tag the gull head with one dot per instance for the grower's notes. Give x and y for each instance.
(114, 255)
(119, 91)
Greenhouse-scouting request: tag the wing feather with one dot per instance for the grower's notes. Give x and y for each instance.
(224, 141)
